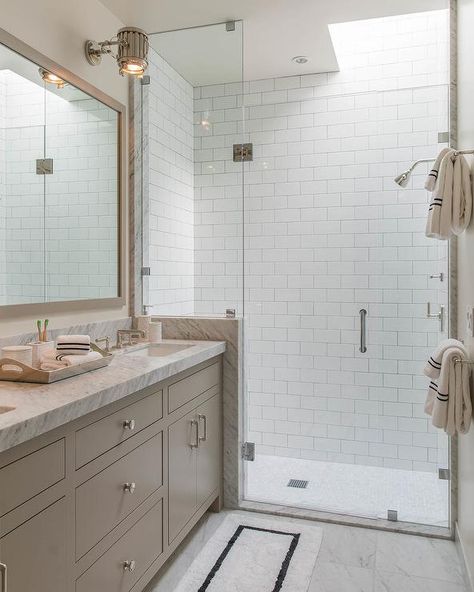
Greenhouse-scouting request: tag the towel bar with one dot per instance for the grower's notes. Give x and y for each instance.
(459, 361)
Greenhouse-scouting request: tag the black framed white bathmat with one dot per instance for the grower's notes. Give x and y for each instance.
(250, 554)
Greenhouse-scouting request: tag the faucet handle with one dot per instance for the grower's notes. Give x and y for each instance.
(105, 340)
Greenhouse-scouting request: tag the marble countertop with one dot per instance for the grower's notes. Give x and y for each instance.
(40, 408)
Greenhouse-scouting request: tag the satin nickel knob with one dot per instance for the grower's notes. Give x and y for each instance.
(129, 565)
(129, 487)
(129, 424)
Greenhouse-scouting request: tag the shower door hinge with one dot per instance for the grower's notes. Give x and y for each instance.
(230, 26)
(146, 271)
(248, 451)
(44, 166)
(443, 137)
(243, 152)
(444, 474)
(144, 80)
(392, 515)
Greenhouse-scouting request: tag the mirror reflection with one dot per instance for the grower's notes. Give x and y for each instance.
(59, 194)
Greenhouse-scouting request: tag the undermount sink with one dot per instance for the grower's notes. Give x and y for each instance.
(159, 350)
(6, 409)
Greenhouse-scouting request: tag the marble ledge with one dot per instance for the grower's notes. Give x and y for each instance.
(40, 408)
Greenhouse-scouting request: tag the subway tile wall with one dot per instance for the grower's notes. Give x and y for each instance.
(170, 204)
(60, 230)
(327, 233)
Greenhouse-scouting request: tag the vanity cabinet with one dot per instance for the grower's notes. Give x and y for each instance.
(99, 504)
(35, 552)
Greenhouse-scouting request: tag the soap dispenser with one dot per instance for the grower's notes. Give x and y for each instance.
(143, 321)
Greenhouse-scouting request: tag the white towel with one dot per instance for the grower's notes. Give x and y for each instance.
(449, 399)
(73, 344)
(433, 365)
(451, 204)
(52, 360)
(432, 177)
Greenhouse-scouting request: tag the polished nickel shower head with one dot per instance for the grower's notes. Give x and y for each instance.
(402, 180)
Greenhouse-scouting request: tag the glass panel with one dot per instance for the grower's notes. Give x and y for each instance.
(329, 234)
(81, 197)
(193, 199)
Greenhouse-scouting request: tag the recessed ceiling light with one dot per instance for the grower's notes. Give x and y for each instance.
(300, 59)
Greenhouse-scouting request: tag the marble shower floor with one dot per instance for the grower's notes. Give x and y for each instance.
(357, 490)
(350, 560)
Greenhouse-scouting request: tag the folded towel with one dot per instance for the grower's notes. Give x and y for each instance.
(449, 399)
(73, 344)
(52, 360)
(451, 204)
(433, 365)
(432, 177)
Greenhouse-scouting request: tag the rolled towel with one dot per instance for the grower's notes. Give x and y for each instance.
(52, 360)
(73, 344)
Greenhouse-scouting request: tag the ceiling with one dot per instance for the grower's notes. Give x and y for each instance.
(274, 31)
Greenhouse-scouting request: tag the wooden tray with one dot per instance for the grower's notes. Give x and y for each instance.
(28, 374)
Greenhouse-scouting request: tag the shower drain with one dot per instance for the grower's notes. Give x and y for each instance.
(298, 483)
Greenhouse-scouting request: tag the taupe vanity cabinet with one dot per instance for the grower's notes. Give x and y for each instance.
(99, 504)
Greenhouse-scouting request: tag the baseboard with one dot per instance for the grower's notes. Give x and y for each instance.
(462, 555)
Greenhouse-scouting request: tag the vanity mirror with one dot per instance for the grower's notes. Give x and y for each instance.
(61, 155)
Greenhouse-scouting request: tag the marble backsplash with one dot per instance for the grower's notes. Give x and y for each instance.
(95, 330)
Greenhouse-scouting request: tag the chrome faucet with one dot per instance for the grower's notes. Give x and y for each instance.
(130, 333)
(105, 340)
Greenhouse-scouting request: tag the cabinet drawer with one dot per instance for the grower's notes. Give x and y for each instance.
(142, 544)
(189, 388)
(104, 434)
(23, 479)
(104, 501)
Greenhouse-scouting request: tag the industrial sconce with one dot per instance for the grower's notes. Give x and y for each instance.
(132, 51)
(51, 78)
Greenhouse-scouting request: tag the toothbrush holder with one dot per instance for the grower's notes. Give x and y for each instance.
(38, 350)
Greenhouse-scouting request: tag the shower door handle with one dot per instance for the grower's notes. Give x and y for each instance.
(436, 315)
(363, 331)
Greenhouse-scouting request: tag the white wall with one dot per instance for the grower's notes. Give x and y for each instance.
(59, 29)
(327, 233)
(171, 190)
(465, 79)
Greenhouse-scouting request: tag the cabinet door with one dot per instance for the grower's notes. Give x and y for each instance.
(182, 472)
(209, 454)
(35, 552)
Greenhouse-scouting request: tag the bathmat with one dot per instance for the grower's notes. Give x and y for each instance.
(250, 554)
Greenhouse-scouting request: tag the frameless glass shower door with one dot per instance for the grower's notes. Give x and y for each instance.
(339, 275)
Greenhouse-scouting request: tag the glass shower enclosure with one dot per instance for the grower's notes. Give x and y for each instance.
(316, 247)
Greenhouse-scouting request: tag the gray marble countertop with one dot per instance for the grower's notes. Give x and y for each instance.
(39, 408)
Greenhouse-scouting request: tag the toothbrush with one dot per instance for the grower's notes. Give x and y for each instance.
(38, 325)
(45, 334)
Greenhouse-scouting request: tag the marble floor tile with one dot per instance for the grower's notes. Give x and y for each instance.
(336, 577)
(348, 546)
(392, 582)
(418, 556)
(350, 560)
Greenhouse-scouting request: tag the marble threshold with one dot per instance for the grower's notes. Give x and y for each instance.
(39, 408)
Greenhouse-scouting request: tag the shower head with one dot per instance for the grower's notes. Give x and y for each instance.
(402, 180)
